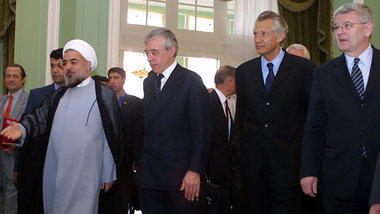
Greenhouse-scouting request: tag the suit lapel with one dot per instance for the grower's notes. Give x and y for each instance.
(282, 73)
(343, 77)
(258, 76)
(19, 106)
(170, 87)
(123, 106)
(374, 74)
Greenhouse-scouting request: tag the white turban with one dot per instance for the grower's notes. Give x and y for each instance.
(84, 49)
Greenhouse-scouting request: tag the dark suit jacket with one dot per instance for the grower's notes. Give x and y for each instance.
(339, 123)
(272, 123)
(132, 119)
(177, 130)
(220, 164)
(124, 191)
(36, 96)
(375, 191)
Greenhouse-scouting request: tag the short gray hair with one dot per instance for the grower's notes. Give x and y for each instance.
(300, 47)
(223, 73)
(168, 38)
(279, 23)
(364, 13)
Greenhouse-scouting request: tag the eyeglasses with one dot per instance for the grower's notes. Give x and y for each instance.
(152, 53)
(345, 26)
(60, 65)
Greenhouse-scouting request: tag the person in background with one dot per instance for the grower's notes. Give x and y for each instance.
(12, 106)
(220, 166)
(133, 133)
(298, 50)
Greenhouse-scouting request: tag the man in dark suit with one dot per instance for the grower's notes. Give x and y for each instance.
(28, 156)
(220, 167)
(177, 126)
(273, 93)
(133, 133)
(341, 138)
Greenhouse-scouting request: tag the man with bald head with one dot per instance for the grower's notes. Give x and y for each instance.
(83, 144)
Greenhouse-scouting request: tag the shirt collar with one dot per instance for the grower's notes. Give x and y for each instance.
(56, 87)
(121, 98)
(276, 61)
(84, 82)
(16, 95)
(221, 96)
(169, 70)
(364, 57)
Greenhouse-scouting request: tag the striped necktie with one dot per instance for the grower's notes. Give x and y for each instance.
(357, 78)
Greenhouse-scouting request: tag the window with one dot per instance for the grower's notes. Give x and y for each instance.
(196, 15)
(147, 12)
(230, 16)
(204, 67)
(204, 40)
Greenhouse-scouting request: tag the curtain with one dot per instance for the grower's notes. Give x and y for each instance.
(7, 30)
(246, 12)
(310, 24)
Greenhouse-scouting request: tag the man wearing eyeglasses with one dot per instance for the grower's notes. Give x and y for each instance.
(26, 159)
(177, 124)
(341, 137)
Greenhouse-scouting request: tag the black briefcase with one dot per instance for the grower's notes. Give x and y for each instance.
(208, 200)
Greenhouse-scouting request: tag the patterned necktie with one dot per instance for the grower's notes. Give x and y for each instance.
(157, 85)
(9, 107)
(270, 77)
(357, 78)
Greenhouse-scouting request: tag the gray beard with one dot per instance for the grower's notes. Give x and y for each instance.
(73, 81)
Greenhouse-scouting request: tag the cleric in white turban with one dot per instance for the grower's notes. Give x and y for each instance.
(84, 49)
(83, 140)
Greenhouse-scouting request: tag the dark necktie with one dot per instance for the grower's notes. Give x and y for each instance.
(157, 85)
(9, 107)
(357, 78)
(270, 77)
(227, 112)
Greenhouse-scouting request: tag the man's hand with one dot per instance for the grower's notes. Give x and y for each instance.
(107, 186)
(190, 184)
(12, 132)
(375, 209)
(11, 147)
(309, 185)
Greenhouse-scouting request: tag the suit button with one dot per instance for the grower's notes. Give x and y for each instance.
(266, 125)
(363, 105)
(159, 134)
(267, 104)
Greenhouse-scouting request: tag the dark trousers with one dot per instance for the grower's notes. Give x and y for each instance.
(272, 192)
(358, 203)
(165, 202)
